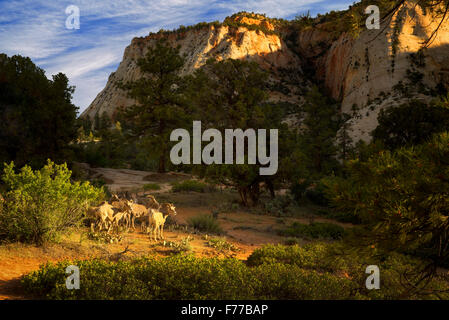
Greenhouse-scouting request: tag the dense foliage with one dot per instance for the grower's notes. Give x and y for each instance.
(233, 95)
(410, 124)
(37, 117)
(402, 198)
(272, 272)
(41, 205)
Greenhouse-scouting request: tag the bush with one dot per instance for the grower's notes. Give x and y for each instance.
(317, 195)
(271, 272)
(151, 186)
(314, 230)
(185, 277)
(333, 259)
(205, 223)
(191, 185)
(309, 256)
(298, 189)
(40, 205)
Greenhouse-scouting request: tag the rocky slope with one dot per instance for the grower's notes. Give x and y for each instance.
(198, 45)
(382, 67)
(377, 69)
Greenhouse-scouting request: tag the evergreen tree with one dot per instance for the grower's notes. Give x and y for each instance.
(402, 198)
(318, 137)
(233, 95)
(411, 123)
(37, 117)
(160, 103)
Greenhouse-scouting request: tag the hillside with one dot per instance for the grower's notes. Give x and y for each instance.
(374, 70)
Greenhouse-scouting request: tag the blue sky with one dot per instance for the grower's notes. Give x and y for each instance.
(36, 28)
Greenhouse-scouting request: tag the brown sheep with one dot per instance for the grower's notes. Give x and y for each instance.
(156, 219)
(103, 214)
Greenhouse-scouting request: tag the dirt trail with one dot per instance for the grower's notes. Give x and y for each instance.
(132, 180)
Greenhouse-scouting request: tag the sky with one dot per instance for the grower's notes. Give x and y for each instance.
(37, 29)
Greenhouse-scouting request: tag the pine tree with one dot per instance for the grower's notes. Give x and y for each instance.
(318, 138)
(160, 104)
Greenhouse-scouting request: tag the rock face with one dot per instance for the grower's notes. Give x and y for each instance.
(378, 69)
(199, 45)
(381, 67)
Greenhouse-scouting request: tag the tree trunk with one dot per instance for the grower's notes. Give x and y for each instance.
(254, 193)
(243, 196)
(161, 167)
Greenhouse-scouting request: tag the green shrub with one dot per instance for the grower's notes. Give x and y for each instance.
(331, 259)
(309, 256)
(185, 277)
(205, 223)
(298, 189)
(410, 124)
(40, 205)
(271, 272)
(151, 186)
(191, 185)
(314, 230)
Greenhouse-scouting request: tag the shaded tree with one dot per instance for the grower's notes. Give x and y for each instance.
(411, 123)
(402, 198)
(37, 117)
(233, 95)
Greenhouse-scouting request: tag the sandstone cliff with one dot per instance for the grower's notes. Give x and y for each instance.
(377, 69)
(382, 67)
(198, 45)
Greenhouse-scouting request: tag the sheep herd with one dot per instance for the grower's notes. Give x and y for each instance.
(124, 212)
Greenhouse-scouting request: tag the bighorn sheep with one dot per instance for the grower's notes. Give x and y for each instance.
(122, 206)
(157, 218)
(103, 213)
(151, 202)
(137, 211)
